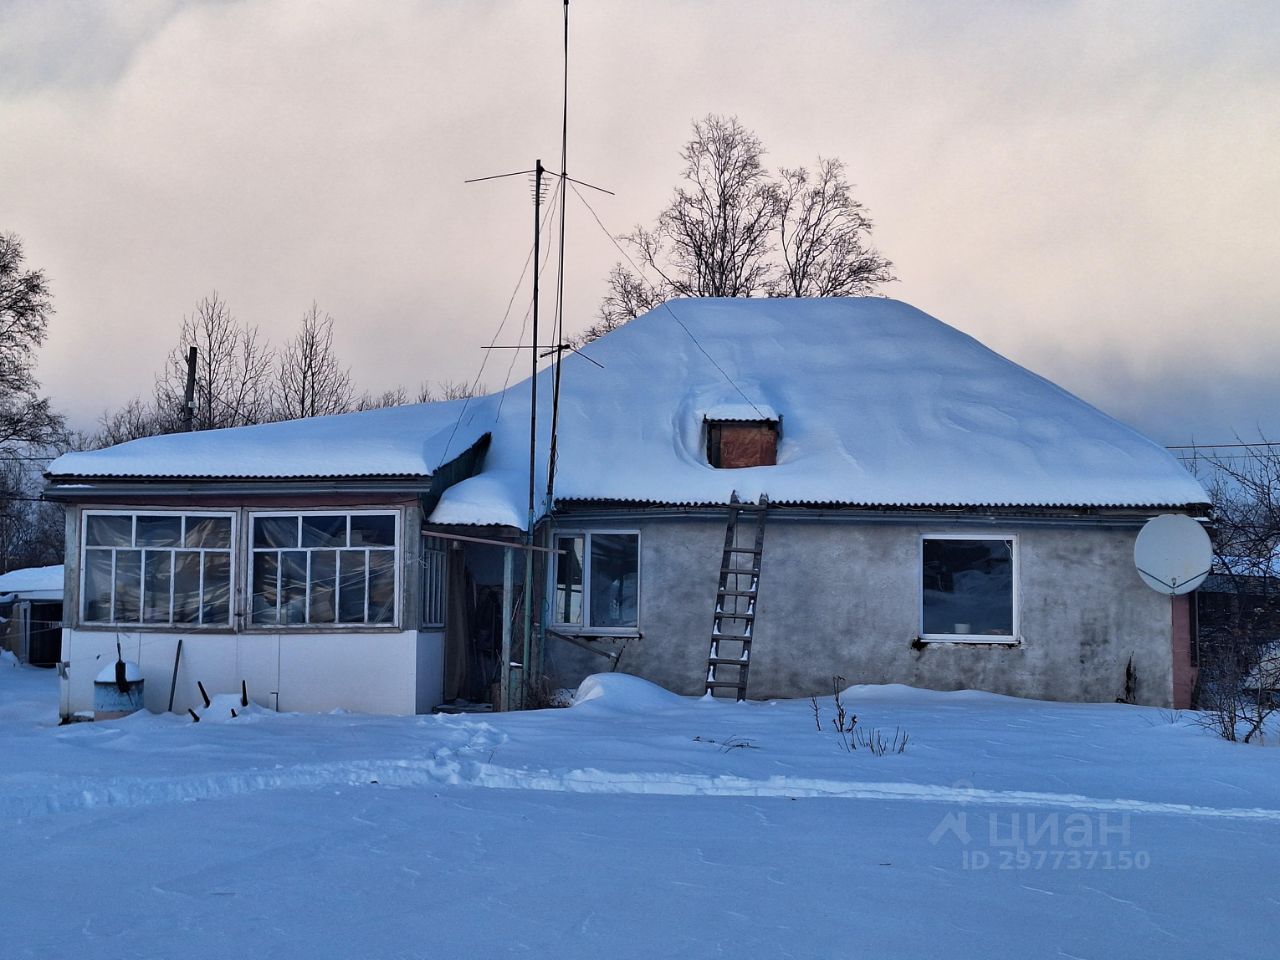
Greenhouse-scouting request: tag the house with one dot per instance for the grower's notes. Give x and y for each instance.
(933, 514)
(31, 614)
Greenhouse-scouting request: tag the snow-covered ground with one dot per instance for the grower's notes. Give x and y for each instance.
(635, 824)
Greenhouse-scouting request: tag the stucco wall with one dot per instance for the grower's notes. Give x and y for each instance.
(843, 598)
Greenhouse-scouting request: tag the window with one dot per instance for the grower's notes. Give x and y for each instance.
(156, 568)
(742, 443)
(968, 589)
(434, 559)
(597, 583)
(323, 568)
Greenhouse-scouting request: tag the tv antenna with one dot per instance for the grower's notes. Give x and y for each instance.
(539, 185)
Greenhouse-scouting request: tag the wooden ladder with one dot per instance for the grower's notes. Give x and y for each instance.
(735, 613)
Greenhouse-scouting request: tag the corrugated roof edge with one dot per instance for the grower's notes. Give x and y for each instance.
(826, 504)
(230, 477)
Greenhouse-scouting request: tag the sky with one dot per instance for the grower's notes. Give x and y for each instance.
(1090, 189)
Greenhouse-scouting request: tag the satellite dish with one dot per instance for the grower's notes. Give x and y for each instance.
(1173, 554)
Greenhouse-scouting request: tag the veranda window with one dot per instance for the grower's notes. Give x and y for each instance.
(156, 568)
(434, 560)
(598, 580)
(324, 569)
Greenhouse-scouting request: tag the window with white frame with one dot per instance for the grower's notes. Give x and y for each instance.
(434, 559)
(319, 569)
(597, 580)
(156, 568)
(969, 590)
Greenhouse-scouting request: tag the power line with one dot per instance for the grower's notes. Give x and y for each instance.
(667, 305)
(524, 323)
(497, 333)
(1237, 444)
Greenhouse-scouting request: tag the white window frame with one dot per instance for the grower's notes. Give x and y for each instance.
(585, 628)
(1009, 640)
(171, 624)
(338, 626)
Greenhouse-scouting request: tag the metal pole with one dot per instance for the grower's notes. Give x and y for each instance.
(559, 328)
(508, 582)
(189, 395)
(533, 446)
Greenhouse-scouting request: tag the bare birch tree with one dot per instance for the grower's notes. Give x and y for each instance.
(233, 370)
(824, 237)
(310, 380)
(733, 230)
(712, 240)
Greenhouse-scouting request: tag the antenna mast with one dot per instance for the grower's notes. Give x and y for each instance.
(559, 339)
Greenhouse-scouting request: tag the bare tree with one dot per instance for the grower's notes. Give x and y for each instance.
(443, 390)
(1240, 628)
(397, 397)
(733, 230)
(31, 530)
(712, 240)
(233, 372)
(311, 381)
(824, 237)
(136, 419)
(25, 308)
(629, 296)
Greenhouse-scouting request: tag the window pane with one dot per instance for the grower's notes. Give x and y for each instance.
(128, 603)
(324, 582)
(968, 587)
(382, 586)
(157, 575)
(615, 565)
(373, 530)
(159, 531)
(568, 581)
(216, 601)
(351, 586)
(434, 560)
(186, 587)
(208, 532)
(324, 531)
(102, 531)
(97, 586)
(275, 531)
(293, 586)
(266, 570)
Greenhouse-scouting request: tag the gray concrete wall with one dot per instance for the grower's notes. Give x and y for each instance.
(843, 598)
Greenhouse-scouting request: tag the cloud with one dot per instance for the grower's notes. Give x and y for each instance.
(1089, 188)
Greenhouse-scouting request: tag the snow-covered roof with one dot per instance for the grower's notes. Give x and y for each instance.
(880, 404)
(41, 583)
(392, 442)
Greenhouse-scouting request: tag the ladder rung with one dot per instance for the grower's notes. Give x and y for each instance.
(723, 684)
(739, 571)
(736, 593)
(755, 550)
(727, 661)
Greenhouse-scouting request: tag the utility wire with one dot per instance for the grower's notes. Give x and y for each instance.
(497, 333)
(1223, 446)
(667, 306)
(515, 354)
